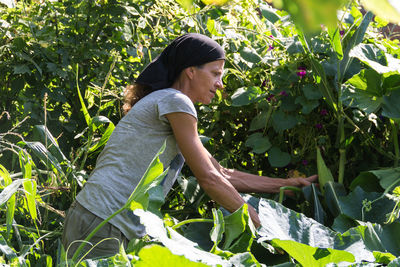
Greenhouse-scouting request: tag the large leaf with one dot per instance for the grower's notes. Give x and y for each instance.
(373, 57)
(356, 39)
(10, 191)
(334, 39)
(388, 178)
(352, 206)
(332, 193)
(311, 194)
(156, 255)
(278, 158)
(391, 107)
(218, 229)
(312, 256)
(376, 237)
(45, 137)
(387, 9)
(175, 242)
(283, 121)
(310, 14)
(278, 222)
(237, 224)
(151, 178)
(45, 156)
(258, 143)
(5, 175)
(244, 96)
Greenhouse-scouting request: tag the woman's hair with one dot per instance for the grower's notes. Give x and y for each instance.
(132, 94)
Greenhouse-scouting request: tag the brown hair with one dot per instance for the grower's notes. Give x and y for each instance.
(132, 94)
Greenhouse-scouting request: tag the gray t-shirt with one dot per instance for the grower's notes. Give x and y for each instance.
(132, 146)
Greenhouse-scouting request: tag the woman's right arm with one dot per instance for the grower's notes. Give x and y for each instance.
(197, 157)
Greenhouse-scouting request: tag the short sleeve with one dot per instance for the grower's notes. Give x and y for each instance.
(175, 102)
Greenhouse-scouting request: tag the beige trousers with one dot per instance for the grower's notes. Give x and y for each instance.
(79, 223)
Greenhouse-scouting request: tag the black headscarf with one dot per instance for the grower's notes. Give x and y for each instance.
(191, 49)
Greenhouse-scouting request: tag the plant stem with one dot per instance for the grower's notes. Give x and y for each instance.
(87, 239)
(282, 191)
(395, 143)
(191, 221)
(342, 150)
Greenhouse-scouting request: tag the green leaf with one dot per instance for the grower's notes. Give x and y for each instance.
(259, 121)
(250, 55)
(335, 40)
(389, 10)
(244, 96)
(7, 250)
(45, 137)
(237, 224)
(307, 105)
(84, 109)
(352, 206)
(151, 178)
(156, 255)
(388, 178)
(45, 156)
(244, 259)
(104, 138)
(21, 69)
(390, 106)
(175, 242)
(258, 143)
(218, 229)
(278, 158)
(324, 173)
(356, 39)
(10, 190)
(283, 121)
(311, 92)
(312, 256)
(30, 194)
(279, 222)
(332, 193)
(384, 258)
(310, 14)
(372, 56)
(269, 13)
(311, 195)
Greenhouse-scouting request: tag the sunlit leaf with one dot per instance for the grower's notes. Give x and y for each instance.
(387, 9)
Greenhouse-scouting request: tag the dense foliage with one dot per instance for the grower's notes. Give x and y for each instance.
(294, 104)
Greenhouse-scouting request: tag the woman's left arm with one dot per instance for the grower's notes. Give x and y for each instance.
(250, 183)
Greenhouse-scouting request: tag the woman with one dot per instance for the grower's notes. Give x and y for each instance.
(189, 70)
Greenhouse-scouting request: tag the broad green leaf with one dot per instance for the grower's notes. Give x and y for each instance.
(390, 106)
(313, 256)
(199, 232)
(279, 222)
(7, 250)
(387, 9)
(83, 105)
(156, 255)
(250, 55)
(259, 121)
(258, 143)
(244, 96)
(307, 105)
(310, 14)
(104, 138)
(45, 137)
(175, 242)
(311, 92)
(343, 223)
(368, 81)
(388, 178)
(10, 190)
(356, 39)
(373, 57)
(283, 121)
(324, 173)
(151, 178)
(269, 13)
(323, 85)
(218, 229)
(278, 158)
(384, 258)
(382, 238)
(332, 193)
(311, 194)
(30, 194)
(244, 259)
(237, 224)
(334, 39)
(45, 156)
(190, 187)
(352, 206)
(5, 175)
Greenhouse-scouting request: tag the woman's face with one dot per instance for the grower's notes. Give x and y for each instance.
(205, 81)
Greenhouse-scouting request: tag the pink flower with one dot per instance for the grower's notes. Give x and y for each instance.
(318, 126)
(323, 112)
(304, 162)
(283, 93)
(301, 72)
(264, 83)
(271, 97)
(271, 47)
(341, 33)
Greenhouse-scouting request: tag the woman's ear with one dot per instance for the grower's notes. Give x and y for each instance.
(189, 71)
